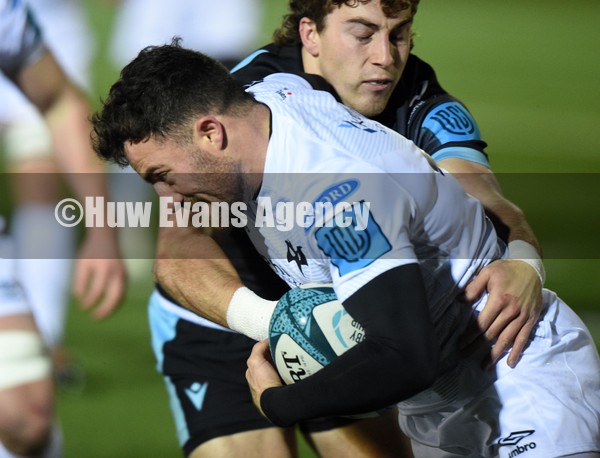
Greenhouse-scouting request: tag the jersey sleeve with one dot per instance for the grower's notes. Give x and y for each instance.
(423, 111)
(444, 128)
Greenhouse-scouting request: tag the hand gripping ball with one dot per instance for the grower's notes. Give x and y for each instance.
(308, 329)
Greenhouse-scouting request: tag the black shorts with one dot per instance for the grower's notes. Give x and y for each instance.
(204, 372)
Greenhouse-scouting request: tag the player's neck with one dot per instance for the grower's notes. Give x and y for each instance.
(310, 63)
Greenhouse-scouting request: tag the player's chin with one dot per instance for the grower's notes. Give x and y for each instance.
(373, 104)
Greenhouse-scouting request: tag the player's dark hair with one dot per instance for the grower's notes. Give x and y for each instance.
(158, 93)
(317, 10)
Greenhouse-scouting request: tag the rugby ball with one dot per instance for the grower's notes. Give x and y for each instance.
(308, 329)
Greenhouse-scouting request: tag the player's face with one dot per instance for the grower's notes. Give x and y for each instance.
(362, 53)
(185, 173)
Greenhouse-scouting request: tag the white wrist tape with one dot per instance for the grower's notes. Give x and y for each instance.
(23, 359)
(523, 251)
(250, 314)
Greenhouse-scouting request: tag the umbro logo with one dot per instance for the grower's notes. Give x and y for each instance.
(514, 438)
(196, 394)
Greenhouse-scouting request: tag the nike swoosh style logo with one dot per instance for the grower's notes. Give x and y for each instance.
(196, 393)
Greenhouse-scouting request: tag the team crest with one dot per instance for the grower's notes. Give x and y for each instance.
(354, 246)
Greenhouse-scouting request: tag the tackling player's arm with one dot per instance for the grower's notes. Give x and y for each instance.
(193, 270)
(191, 267)
(443, 127)
(399, 357)
(514, 286)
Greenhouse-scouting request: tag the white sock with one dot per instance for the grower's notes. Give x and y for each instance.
(44, 252)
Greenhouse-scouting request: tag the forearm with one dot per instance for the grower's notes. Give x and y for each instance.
(66, 112)
(481, 183)
(191, 267)
(512, 217)
(70, 130)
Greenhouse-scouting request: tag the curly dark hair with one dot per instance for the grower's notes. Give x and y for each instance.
(158, 93)
(317, 10)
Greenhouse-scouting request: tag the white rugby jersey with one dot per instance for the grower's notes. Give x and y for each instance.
(21, 42)
(401, 208)
(12, 295)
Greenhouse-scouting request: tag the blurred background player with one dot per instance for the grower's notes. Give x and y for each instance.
(27, 426)
(44, 249)
(226, 30)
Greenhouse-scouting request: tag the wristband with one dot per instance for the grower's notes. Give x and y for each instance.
(250, 314)
(523, 251)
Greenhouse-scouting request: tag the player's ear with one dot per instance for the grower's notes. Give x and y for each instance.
(209, 132)
(309, 36)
